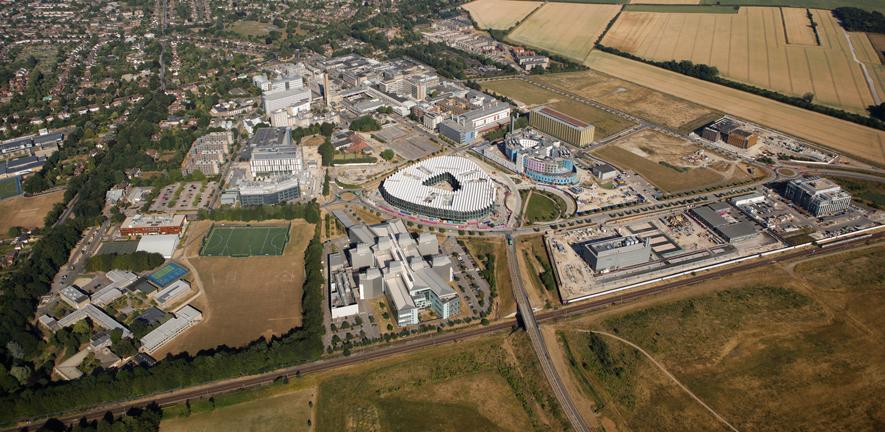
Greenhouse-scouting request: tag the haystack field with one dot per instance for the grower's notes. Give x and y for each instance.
(568, 29)
(768, 47)
(499, 14)
(839, 135)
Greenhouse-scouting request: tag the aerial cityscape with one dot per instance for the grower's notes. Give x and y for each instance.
(442, 215)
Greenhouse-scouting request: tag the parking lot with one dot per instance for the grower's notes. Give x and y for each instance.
(190, 196)
(407, 141)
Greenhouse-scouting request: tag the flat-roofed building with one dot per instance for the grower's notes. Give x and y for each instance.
(725, 222)
(173, 293)
(819, 196)
(562, 126)
(73, 296)
(612, 253)
(185, 318)
(158, 223)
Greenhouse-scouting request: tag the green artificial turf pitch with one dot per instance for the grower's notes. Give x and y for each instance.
(241, 241)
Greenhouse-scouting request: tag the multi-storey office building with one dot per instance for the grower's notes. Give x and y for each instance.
(819, 196)
(562, 126)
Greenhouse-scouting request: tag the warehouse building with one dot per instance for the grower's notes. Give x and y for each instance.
(612, 253)
(386, 260)
(562, 126)
(725, 221)
(819, 196)
(467, 192)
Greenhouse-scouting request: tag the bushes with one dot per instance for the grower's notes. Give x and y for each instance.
(365, 124)
(854, 19)
(387, 154)
(136, 261)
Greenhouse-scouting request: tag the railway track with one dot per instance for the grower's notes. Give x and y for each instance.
(227, 386)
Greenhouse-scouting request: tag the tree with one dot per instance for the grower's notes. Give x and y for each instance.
(326, 184)
(388, 154)
(365, 124)
(14, 231)
(877, 111)
(808, 97)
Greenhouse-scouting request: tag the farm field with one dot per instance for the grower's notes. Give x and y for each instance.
(871, 57)
(253, 411)
(754, 46)
(666, 2)
(243, 298)
(27, 212)
(243, 241)
(489, 384)
(531, 95)
(628, 97)
(853, 139)
(663, 160)
(568, 29)
(765, 349)
(499, 14)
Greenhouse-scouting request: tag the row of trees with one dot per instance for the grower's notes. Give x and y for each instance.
(299, 345)
(710, 73)
(307, 211)
(137, 261)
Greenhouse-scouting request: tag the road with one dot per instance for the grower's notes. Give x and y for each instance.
(531, 326)
(226, 386)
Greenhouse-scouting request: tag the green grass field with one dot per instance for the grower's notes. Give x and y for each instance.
(245, 241)
(866, 192)
(543, 207)
(9, 187)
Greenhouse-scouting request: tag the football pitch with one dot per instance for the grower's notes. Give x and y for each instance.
(242, 241)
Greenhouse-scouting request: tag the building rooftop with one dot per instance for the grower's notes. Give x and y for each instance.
(271, 137)
(565, 118)
(471, 188)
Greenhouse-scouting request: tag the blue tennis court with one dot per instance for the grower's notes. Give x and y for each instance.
(167, 274)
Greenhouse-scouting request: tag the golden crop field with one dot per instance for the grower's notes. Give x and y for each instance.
(867, 53)
(499, 14)
(756, 47)
(839, 135)
(568, 29)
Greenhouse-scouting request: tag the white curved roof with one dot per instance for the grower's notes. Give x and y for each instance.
(477, 190)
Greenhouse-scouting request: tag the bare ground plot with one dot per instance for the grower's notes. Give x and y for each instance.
(759, 347)
(27, 212)
(529, 94)
(536, 271)
(569, 29)
(839, 135)
(751, 46)
(628, 97)
(499, 14)
(243, 299)
(279, 412)
(669, 163)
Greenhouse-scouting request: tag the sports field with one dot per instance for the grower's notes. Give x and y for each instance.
(243, 298)
(499, 14)
(531, 95)
(242, 241)
(27, 212)
(10, 187)
(840, 135)
(784, 347)
(768, 47)
(568, 29)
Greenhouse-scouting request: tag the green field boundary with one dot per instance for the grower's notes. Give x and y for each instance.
(680, 8)
(10, 187)
(871, 5)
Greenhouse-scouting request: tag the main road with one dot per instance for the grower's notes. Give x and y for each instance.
(227, 386)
